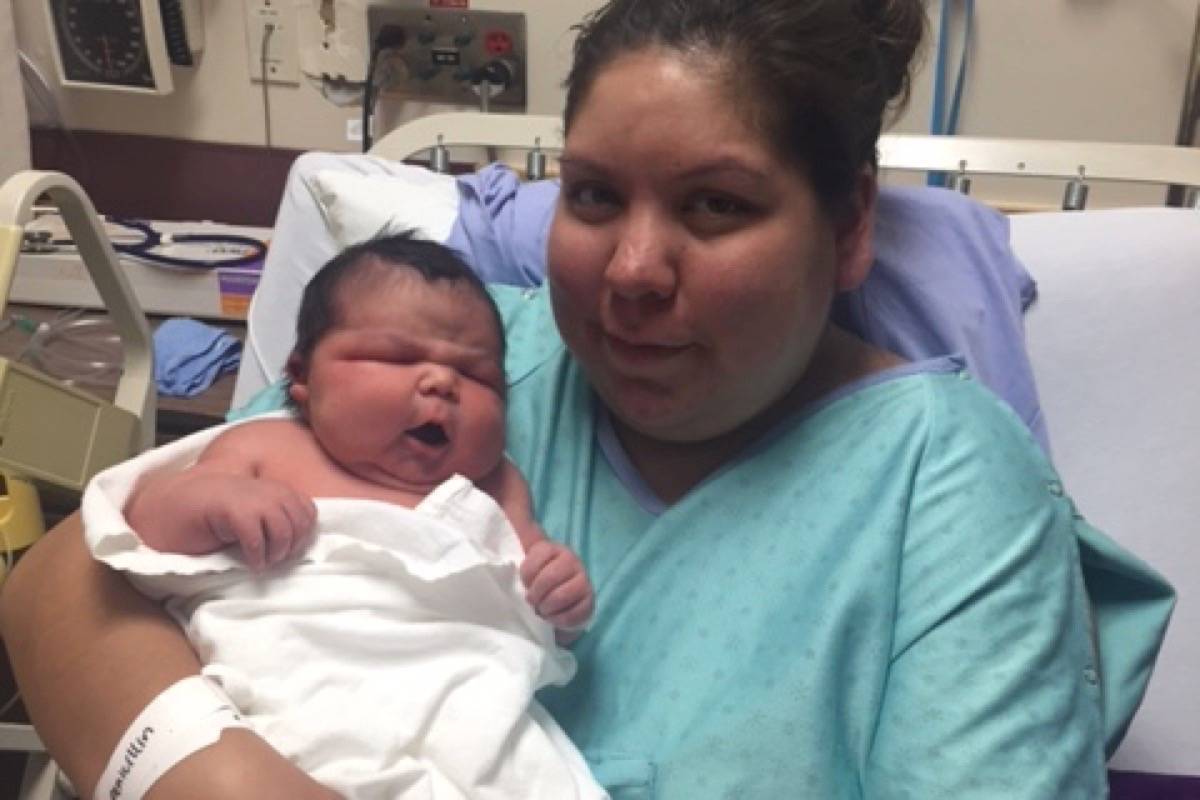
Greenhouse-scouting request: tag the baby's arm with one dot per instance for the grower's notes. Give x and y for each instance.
(556, 584)
(221, 500)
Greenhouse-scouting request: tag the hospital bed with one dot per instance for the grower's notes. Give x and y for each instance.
(1112, 335)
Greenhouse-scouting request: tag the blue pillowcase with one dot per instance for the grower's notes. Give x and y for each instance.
(946, 281)
(503, 224)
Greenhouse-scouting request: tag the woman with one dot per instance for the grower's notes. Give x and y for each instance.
(821, 571)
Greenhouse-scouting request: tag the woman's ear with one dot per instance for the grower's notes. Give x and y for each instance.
(856, 234)
(297, 373)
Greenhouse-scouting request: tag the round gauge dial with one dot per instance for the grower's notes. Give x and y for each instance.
(102, 41)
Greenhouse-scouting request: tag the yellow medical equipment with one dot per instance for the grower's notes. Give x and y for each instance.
(56, 435)
(21, 521)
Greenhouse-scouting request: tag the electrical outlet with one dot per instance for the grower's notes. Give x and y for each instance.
(282, 46)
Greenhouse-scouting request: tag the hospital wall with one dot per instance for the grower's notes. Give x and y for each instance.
(1055, 69)
(14, 139)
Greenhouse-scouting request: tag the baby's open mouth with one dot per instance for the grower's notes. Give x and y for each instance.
(430, 433)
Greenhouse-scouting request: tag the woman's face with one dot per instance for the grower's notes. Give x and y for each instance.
(691, 269)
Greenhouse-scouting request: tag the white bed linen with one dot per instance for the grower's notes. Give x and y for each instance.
(1114, 339)
(397, 658)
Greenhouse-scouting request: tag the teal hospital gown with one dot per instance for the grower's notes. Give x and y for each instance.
(886, 597)
(882, 599)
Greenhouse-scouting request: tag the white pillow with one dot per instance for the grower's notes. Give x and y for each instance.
(360, 207)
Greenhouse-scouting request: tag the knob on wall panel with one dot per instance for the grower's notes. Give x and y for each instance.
(452, 55)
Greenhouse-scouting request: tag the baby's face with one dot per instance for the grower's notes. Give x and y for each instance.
(408, 388)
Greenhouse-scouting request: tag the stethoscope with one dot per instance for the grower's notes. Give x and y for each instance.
(152, 238)
(144, 249)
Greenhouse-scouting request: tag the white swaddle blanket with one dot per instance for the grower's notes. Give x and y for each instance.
(396, 658)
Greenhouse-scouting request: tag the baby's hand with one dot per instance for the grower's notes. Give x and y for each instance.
(267, 519)
(556, 585)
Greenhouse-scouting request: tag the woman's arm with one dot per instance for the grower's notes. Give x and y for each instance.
(992, 687)
(89, 653)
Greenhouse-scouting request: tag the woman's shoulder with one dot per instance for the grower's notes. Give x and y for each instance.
(963, 413)
(976, 476)
(927, 415)
(944, 393)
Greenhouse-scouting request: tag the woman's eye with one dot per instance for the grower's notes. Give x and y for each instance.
(591, 200)
(718, 205)
(714, 214)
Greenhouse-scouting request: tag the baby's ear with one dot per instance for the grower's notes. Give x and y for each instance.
(297, 373)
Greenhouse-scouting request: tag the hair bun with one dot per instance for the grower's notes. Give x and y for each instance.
(898, 27)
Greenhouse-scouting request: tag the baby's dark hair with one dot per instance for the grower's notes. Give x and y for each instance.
(319, 306)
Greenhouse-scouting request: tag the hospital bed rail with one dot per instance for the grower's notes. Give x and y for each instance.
(957, 156)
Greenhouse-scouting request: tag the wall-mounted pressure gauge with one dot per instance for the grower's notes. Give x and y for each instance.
(127, 45)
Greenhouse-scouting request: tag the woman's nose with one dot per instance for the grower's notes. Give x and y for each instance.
(642, 264)
(438, 380)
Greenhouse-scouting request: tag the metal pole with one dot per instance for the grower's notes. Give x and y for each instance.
(1190, 112)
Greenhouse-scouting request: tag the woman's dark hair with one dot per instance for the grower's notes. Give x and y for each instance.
(817, 75)
(361, 262)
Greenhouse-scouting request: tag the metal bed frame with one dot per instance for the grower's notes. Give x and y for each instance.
(960, 157)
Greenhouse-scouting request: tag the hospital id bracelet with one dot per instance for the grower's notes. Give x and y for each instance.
(187, 716)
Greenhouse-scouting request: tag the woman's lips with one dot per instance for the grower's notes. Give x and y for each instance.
(646, 354)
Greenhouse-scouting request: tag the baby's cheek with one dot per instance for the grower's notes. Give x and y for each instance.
(492, 432)
(481, 420)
